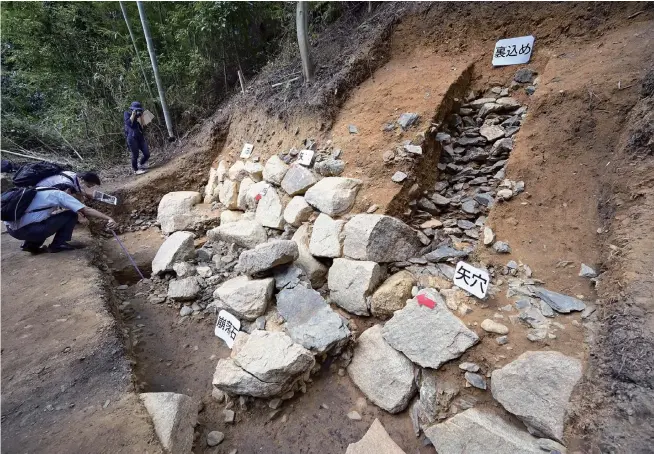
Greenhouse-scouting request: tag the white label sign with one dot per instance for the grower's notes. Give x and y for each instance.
(246, 152)
(305, 157)
(513, 51)
(226, 327)
(106, 198)
(471, 279)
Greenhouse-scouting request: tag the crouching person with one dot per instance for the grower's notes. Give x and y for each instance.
(39, 220)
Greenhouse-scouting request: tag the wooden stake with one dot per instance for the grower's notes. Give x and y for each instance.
(241, 80)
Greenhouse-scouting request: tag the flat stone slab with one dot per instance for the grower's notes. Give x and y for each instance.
(327, 237)
(382, 373)
(559, 302)
(428, 337)
(476, 432)
(536, 388)
(375, 441)
(309, 320)
(245, 298)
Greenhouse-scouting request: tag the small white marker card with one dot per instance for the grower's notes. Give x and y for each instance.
(246, 152)
(226, 327)
(305, 157)
(106, 198)
(513, 51)
(471, 279)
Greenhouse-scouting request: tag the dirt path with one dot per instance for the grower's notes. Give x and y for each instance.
(66, 383)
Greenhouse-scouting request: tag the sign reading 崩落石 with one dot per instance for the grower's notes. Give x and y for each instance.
(471, 279)
(513, 51)
(226, 327)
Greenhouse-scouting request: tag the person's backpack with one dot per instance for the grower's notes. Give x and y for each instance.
(30, 174)
(15, 202)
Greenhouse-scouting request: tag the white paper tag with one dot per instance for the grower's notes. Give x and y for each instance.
(246, 152)
(226, 327)
(106, 198)
(513, 51)
(471, 279)
(305, 157)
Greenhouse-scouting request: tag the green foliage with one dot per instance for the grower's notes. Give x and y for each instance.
(69, 68)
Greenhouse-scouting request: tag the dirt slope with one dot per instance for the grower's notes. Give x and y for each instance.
(66, 383)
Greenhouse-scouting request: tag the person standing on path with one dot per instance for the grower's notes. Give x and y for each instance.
(135, 139)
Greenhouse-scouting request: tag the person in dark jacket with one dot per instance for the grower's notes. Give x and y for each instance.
(135, 139)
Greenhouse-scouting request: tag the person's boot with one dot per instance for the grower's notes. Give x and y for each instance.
(54, 248)
(140, 172)
(32, 248)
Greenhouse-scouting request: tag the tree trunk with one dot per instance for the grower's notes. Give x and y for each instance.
(136, 49)
(155, 70)
(302, 25)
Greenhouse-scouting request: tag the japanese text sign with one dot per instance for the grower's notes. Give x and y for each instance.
(305, 158)
(226, 327)
(246, 152)
(471, 279)
(513, 51)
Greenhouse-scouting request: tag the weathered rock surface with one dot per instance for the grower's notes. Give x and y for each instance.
(254, 194)
(267, 255)
(476, 432)
(491, 326)
(559, 302)
(177, 248)
(237, 171)
(228, 216)
(297, 211)
(310, 321)
(327, 237)
(379, 238)
(333, 195)
(243, 189)
(245, 298)
(245, 233)
(297, 180)
(173, 417)
(275, 170)
(392, 295)
(184, 289)
(382, 373)
(270, 210)
(315, 270)
(351, 282)
(266, 364)
(375, 441)
(175, 211)
(330, 167)
(536, 388)
(228, 194)
(443, 253)
(211, 186)
(587, 271)
(428, 337)
(255, 170)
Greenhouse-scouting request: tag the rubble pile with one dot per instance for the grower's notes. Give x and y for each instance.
(294, 266)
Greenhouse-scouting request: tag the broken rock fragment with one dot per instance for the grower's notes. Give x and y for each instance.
(309, 320)
(275, 170)
(351, 283)
(245, 233)
(173, 417)
(327, 237)
(244, 297)
(297, 180)
(392, 295)
(333, 195)
(428, 337)
(379, 238)
(267, 255)
(536, 388)
(383, 374)
(477, 432)
(559, 302)
(375, 441)
(177, 248)
(174, 212)
(270, 210)
(266, 364)
(315, 270)
(184, 289)
(297, 211)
